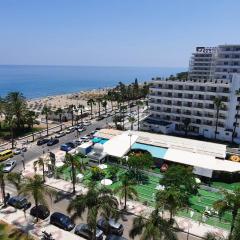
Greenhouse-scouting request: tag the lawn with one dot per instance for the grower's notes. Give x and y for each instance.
(146, 194)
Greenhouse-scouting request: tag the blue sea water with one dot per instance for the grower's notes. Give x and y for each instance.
(41, 81)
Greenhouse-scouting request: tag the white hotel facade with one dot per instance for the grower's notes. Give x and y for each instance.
(213, 72)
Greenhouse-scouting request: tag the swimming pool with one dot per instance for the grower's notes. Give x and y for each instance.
(157, 152)
(99, 140)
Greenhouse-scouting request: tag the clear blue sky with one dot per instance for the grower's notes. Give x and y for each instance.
(113, 32)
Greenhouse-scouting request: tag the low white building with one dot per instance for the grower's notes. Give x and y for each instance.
(173, 101)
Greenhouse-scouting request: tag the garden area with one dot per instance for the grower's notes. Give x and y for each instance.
(201, 202)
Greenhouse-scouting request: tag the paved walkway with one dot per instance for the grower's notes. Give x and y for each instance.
(137, 208)
(26, 222)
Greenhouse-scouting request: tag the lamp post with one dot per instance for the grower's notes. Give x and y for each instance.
(130, 137)
(23, 160)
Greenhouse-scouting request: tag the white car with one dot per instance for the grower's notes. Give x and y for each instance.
(9, 165)
(17, 151)
(87, 123)
(60, 134)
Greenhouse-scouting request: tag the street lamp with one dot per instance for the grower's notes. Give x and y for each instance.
(23, 160)
(130, 137)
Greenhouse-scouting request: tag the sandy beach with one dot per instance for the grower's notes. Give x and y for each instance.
(64, 100)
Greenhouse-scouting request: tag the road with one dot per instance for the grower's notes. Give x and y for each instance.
(61, 204)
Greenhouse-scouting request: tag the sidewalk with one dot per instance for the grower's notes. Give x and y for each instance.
(134, 207)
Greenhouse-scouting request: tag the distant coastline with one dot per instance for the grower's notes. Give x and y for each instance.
(38, 81)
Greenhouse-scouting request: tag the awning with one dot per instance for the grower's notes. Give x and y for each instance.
(120, 145)
(201, 161)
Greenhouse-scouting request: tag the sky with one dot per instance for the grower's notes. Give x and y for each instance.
(152, 33)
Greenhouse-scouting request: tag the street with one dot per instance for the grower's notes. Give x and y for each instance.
(64, 198)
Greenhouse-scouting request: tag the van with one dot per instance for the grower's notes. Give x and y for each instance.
(4, 155)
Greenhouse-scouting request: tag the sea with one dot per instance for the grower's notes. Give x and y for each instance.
(41, 81)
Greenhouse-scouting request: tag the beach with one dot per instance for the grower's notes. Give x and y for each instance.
(65, 100)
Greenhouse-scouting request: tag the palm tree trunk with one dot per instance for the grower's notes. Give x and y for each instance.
(3, 192)
(81, 116)
(73, 178)
(91, 107)
(43, 169)
(12, 136)
(125, 198)
(234, 215)
(47, 124)
(98, 109)
(236, 120)
(216, 127)
(60, 120)
(138, 116)
(72, 118)
(36, 204)
(132, 125)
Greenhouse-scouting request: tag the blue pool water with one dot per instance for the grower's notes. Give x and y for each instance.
(99, 140)
(156, 152)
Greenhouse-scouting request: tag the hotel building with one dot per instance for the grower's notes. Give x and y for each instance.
(187, 106)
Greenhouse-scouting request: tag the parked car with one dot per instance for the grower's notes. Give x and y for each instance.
(19, 202)
(85, 138)
(42, 141)
(84, 230)
(111, 226)
(24, 149)
(9, 165)
(87, 123)
(60, 134)
(100, 118)
(65, 147)
(70, 130)
(41, 211)
(77, 142)
(70, 144)
(115, 237)
(62, 221)
(53, 142)
(17, 151)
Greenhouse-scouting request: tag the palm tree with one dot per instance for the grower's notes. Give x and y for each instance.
(2, 184)
(30, 118)
(41, 163)
(74, 164)
(237, 93)
(15, 178)
(229, 202)
(81, 107)
(126, 190)
(16, 105)
(35, 188)
(99, 101)
(154, 227)
(218, 104)
(59, 112)
(104, 105)
(171, 199)
(132, 121)
(46, 111)
(12, 123)
(71, 111)
(90, 103)
(97, 201)
(122, 110)
(186, 123)
(139, 104)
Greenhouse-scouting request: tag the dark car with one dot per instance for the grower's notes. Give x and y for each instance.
(110, 227)
(84, 230)
(115, 237)
(62, 221)
(40, 211)
(53, 142)
(70, 144)
(65, 147)
(42, 141)
(19, 202)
